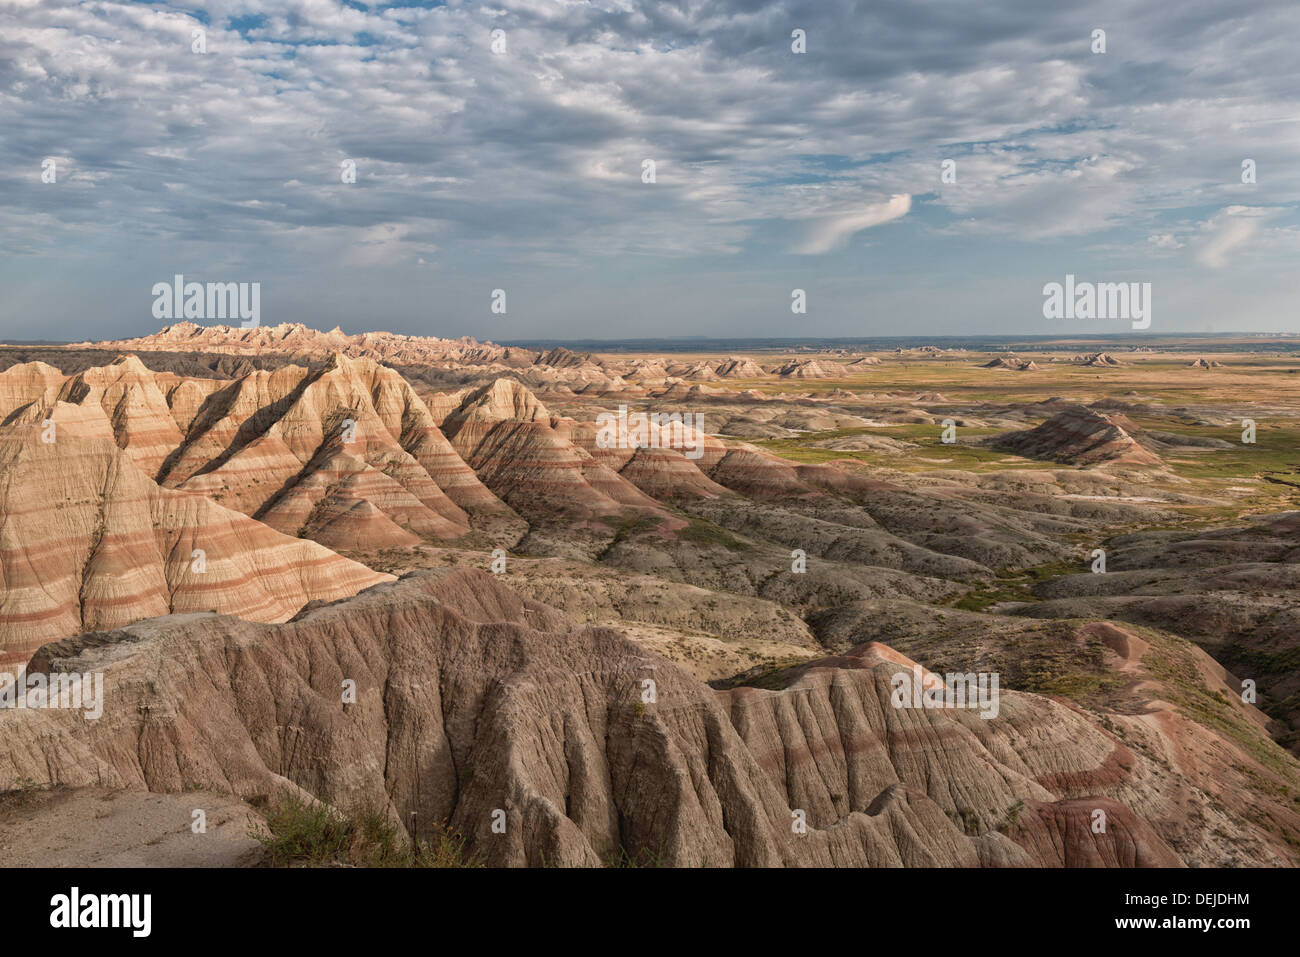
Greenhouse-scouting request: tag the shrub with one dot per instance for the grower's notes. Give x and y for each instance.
(305, 833)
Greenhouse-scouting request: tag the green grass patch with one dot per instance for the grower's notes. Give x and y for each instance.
(700, 532)
(1185, 688)
(1014, 586)
(301, 833)
(642, 857)
(632, 527)
(932, 455)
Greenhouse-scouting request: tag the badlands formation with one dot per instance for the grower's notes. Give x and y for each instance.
(414, 574)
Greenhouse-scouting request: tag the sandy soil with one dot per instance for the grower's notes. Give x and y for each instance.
(95, 827)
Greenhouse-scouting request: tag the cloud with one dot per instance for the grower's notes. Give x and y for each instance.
(831, 232)
(1227, 232)
(531, 159)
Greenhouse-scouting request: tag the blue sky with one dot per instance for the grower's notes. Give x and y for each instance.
(522, 169)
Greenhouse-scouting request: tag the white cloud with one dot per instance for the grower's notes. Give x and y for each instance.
(534, 157)
(1228, 232)
(833, 231)
(1165, 241)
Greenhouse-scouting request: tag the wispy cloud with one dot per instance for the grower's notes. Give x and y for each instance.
(526, 165)
(1228, 232)
(833, 231)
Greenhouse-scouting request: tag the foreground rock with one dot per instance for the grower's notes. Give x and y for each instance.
(474, 705)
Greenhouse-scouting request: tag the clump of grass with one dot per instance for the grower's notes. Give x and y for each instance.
(1012, 819)
(633, 527)
(981, 599)
(968, 820)
(1015, 586)
(304, 833)
(642, 857)
(26, 793)
(446, 848)
(706, 533)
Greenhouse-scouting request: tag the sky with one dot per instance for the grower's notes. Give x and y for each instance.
(504, 146)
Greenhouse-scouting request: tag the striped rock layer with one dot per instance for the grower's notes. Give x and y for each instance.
(471, 700)
(347, 455)
(1081, 436)
(88, 541)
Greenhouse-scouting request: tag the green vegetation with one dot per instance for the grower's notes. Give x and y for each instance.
(642, 857)
(300, 833)
(1272, 665)
(968, 820)
(1270, 467)
(632, 527)
(1012, 818)
(1172, 663)
(701, 532)
(771, 676)
(1079, 687)
(1050, 660)
(25, 794)
(933, 453)
(1015, 586)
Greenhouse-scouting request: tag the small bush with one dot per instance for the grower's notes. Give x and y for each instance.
(302, 833)
(298, 833)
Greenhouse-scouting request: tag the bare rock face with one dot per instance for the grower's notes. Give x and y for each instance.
(562, 358)
(1080, 436)
(739, 367)
(1100, 359)
(806, 369)
(665, 467)
(1014, 363)
(479, 707)
(1205, 364)
(346, 454)
(528, 457)
(132, 400)
(90, 541)
(295, 339)
(26, 384)
(298, 449)
(647, 369)
(696, 370)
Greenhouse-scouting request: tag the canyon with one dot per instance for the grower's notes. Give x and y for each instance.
(414, 575)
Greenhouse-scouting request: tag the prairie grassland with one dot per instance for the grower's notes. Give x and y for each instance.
(1168, 395)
